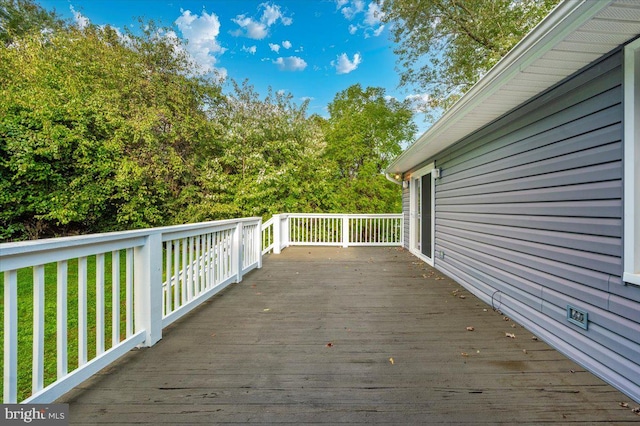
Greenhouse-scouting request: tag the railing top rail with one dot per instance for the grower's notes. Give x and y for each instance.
(350, 215)
(268, 223)
(7, 249)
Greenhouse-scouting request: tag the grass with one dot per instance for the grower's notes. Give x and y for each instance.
(25, 318)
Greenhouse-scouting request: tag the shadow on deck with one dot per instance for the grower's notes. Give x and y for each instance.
(358, 335)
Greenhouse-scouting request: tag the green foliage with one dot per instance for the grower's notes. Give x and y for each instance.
(19, 17)
(445, 46)
(97, 131)
(103, 131)
(364, 133)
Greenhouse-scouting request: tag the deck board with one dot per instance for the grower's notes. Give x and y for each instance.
(308, 339)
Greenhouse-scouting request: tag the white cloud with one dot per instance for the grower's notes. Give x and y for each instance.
(370, 21)
(356, 7)
(290, 63)
(377, 32)
(201, 33)
(344, 65)
(286, 44)
(419, 102)
(259, 29)
(275, 47)
(340, 3)
(80, 20)
(250, 49)
(373, 15)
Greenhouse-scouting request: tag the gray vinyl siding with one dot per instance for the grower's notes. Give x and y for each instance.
(529, 217)
(405, 212)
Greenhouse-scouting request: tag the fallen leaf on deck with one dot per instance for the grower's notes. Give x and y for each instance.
(506, 318)
(391, 361)
(266, 310)
(534, 338)
(253, 286)
(464, 354)
(524, 351)
(463, 296)
(623, 404)
(470, 328)
(213, 334)
(636, 410)
(329, 345)
(513, 336)
(513, 326)
(572, 371)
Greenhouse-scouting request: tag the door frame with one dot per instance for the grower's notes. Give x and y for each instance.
(414, 224)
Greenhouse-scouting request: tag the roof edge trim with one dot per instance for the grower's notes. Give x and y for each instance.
(561, 21)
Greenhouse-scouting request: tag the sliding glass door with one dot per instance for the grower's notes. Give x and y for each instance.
(422, 214)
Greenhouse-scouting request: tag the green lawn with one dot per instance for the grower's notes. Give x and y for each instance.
(25, 317)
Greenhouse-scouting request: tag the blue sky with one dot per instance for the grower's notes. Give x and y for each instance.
(310, 48)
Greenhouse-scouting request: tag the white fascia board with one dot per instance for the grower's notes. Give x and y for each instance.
(562, 21)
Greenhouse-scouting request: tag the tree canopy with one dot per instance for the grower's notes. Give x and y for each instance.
(445, 46)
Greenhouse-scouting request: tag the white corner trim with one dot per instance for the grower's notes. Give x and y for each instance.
(632, 163)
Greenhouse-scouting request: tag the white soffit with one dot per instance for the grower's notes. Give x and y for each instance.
(573, 35)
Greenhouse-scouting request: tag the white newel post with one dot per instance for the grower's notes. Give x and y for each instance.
(285, 230)
(345, 231)
(257, 247)
(147, 291)
(277, 242)
(236, 250)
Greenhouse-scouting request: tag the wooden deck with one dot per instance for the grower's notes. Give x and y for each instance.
(358, 335)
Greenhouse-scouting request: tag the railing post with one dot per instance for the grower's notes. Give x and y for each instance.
(148, 289)
(345, 231)
(258, 242)
(284, 238)
(277, 242)
(236, 251)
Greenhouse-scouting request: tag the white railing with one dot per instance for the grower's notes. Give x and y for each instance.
(100, 296)
(344, 230)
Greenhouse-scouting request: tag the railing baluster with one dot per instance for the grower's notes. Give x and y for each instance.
(62, 366)
(99, 303)
(191, 251)
(129, 292)
(167, 291)
(115, 297)
(207, 271)
(183, 275)
(197, 266)
(82, 311)
(10, 381)
(37, 379)
(176, 274)
(216, 258)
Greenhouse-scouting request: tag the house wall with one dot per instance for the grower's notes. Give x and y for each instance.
(529, 218)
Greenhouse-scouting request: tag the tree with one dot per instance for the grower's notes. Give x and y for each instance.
(98, 132)
(364, 132)
(19, 17)
(445, 46)
(270, 158)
